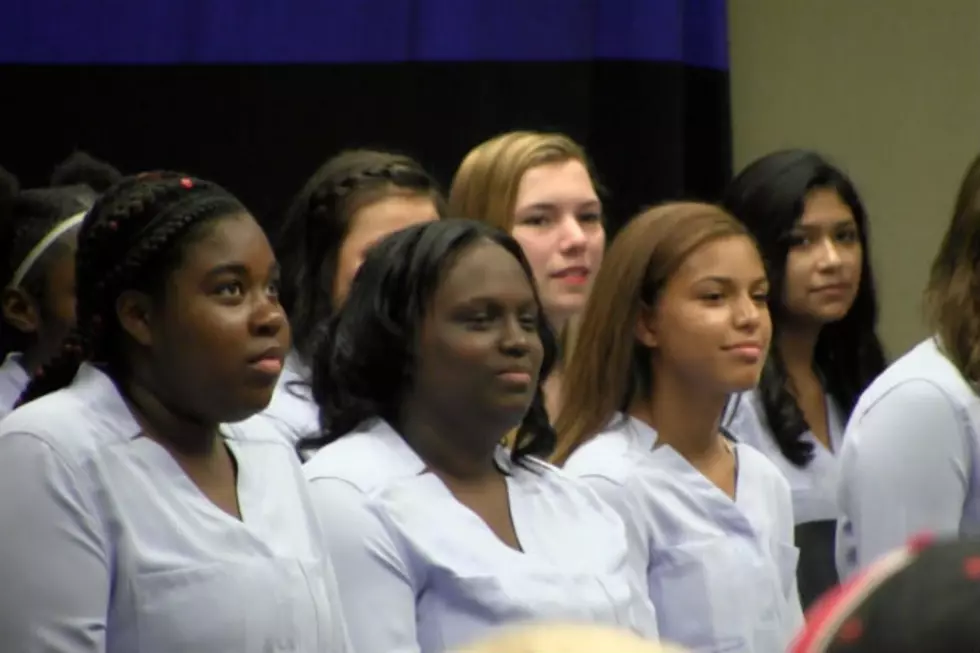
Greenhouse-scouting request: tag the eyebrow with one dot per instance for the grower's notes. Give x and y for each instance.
(843, 222)
(239, 269)
(545, 206)
(728, 281)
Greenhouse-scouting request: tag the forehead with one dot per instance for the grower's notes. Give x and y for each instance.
(390, 214)
(485, 271)
(565, 182)
(730, 257)
(236, 238)
(824, 207)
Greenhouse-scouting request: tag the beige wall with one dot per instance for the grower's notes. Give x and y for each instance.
(890, 90)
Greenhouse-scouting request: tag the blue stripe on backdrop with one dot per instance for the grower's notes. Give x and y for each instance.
(350, 31)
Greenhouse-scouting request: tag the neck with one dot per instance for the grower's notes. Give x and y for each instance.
(685, 418)
(797, 346)
(557, 322)
(450, 448)
(180, 434)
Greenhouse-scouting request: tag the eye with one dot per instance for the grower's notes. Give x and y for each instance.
(798, 240)
(535, 220)
(590, 217)
(712, 297)
(761, 297)
(230, 289)
(529, 322)
(849, 235)
(273, 288)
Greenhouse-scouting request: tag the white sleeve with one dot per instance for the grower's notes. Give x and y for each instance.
(376, 585)
(905, 469)
(54, 560)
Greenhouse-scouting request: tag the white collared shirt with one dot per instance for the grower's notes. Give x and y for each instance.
(108, 547)
(910, 463)
(721, 572)
(422, 573)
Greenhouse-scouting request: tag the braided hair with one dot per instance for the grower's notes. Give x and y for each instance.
(26, 218)
(131, 239)
(315, 225)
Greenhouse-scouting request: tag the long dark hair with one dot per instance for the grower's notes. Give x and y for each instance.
(131, 239)
(769, 196)
(365, 357)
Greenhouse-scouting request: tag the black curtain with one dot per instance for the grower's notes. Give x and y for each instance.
(256, 94)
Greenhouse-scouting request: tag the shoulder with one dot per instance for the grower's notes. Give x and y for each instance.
(66, 422)
(613, 454)
(923, 376)
(369, 459)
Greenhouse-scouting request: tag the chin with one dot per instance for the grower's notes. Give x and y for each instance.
(240, 408)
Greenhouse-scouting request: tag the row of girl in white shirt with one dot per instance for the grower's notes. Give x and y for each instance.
(153, 504)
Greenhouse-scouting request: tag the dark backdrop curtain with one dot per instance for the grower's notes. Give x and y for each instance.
(256, 94)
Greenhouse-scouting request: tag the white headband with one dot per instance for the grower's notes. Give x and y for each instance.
(46, 242)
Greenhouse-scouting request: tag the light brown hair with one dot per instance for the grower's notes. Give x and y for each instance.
(610, 368)
(952, 298)
(485, 185)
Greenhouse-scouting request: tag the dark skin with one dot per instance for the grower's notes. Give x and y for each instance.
(482, 322)
(49, 315)
(208, 351)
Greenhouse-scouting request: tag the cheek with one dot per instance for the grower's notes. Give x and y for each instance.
(796, 278)
(597, 244)
(537, 249)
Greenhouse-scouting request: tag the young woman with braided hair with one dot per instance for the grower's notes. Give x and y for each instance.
(351, 202)
(135, 517)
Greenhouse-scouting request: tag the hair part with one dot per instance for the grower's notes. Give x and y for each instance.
(365, 360)
(769, 197)
(952, 297)
(611, 369)
(318, 220)
(131, 239)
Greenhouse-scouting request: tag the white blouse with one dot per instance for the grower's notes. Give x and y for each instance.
(721, 572)
(421, 573)
(108, 546)
(911, 459)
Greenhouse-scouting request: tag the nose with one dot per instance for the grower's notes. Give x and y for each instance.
(829, 255)
(515, 340)
(748, 313)
(573, 236)
(268, 318)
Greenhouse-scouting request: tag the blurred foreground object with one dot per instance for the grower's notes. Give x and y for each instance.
(567, 638)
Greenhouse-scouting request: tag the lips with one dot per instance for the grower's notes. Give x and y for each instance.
(750, 350)
(269, 361)
(833, 288)
(573, 274)
(517, 376)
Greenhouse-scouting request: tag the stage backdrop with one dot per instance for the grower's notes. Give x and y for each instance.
(255, 93)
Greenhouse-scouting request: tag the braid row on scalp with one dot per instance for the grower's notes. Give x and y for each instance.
(398, 173)
(122, 245)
